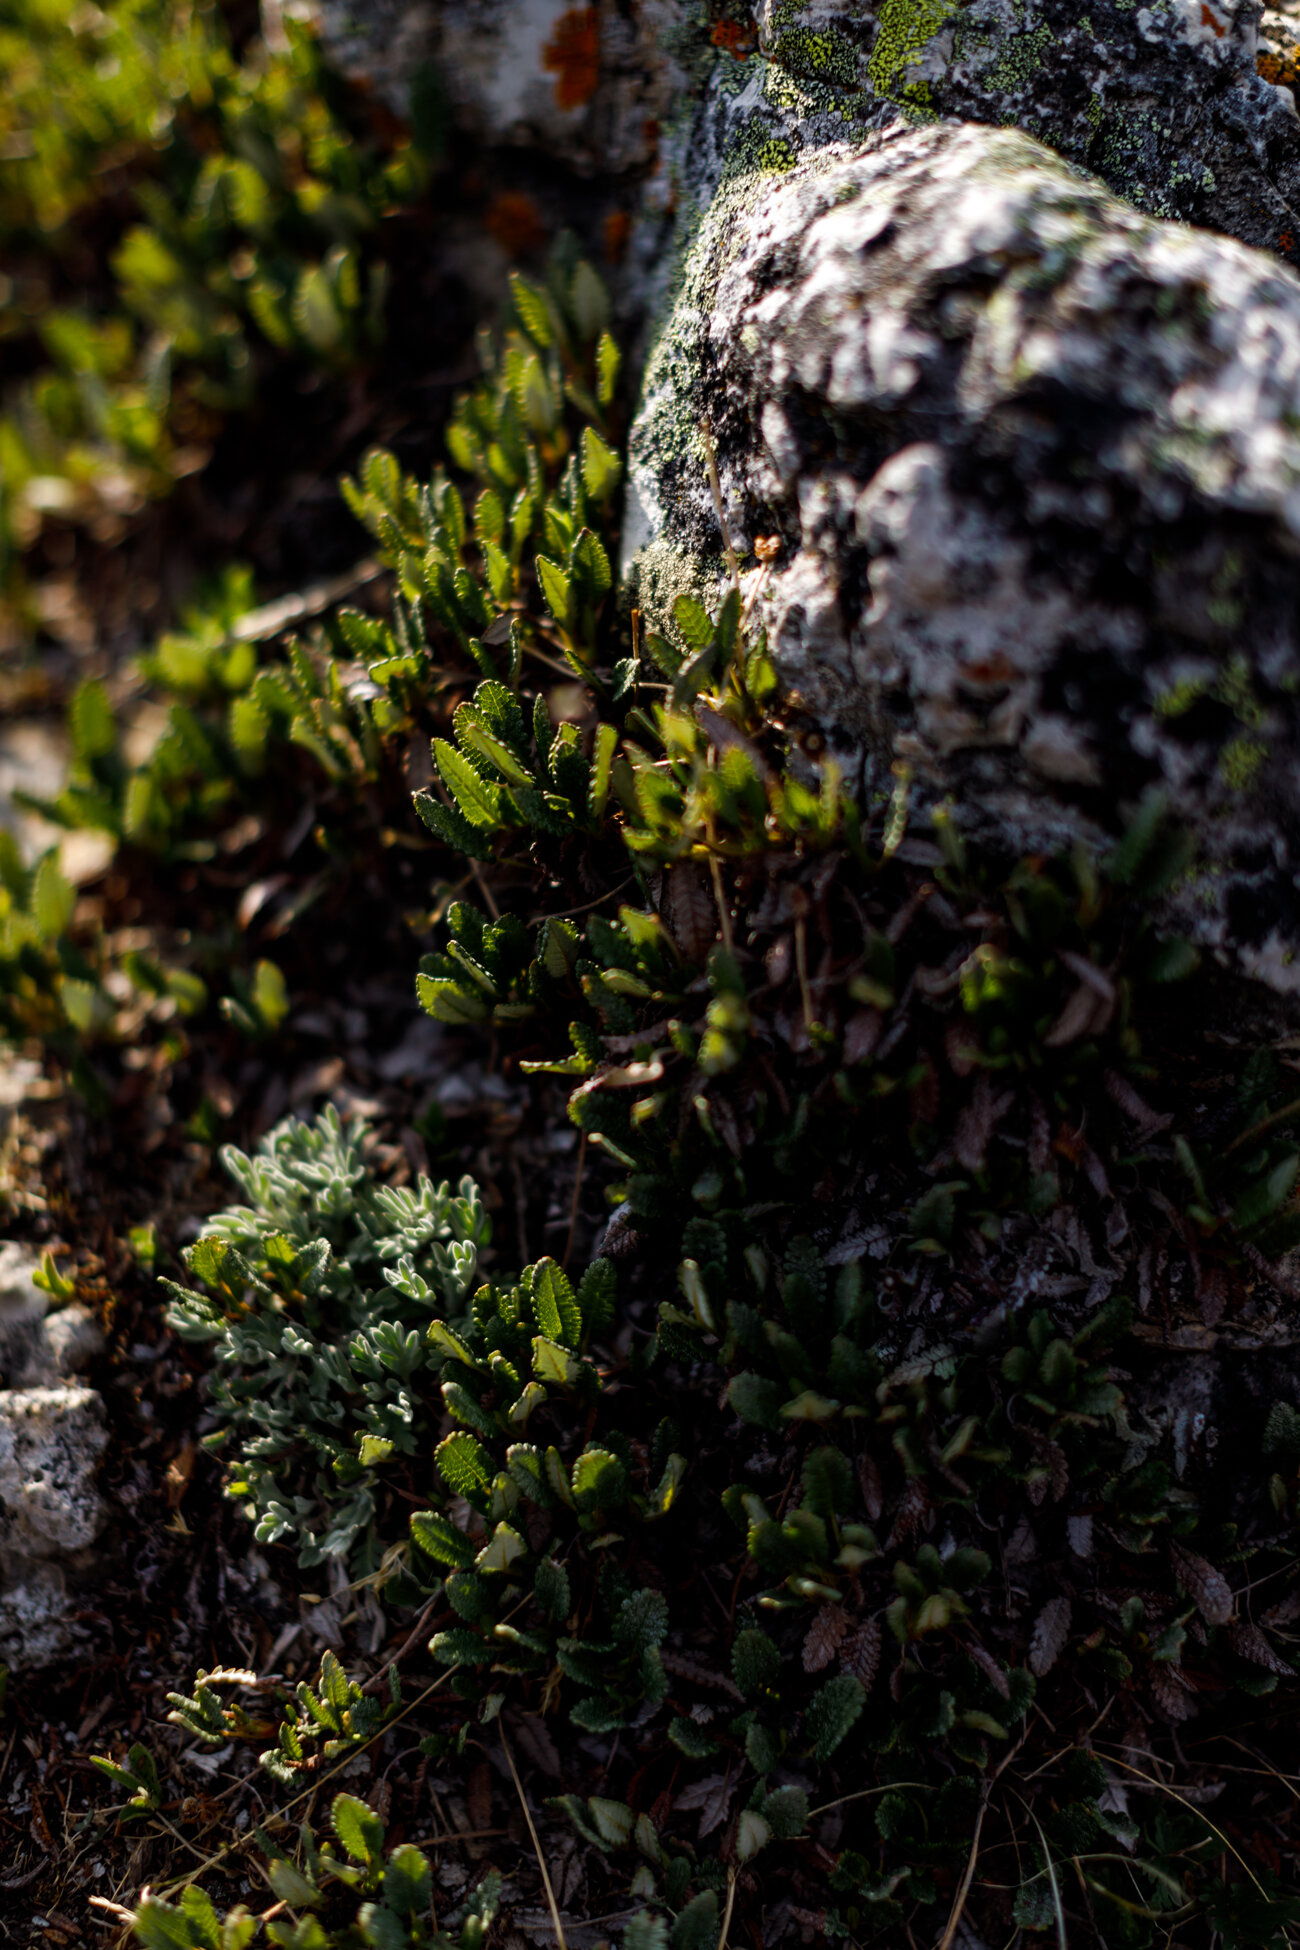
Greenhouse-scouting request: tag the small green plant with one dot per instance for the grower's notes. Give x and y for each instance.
(318, 1725)
(251, 732)
(917, 1187)
(362, 1896)
(319, 1293)
(260, 190)
(346, 1327)
(139, 1773)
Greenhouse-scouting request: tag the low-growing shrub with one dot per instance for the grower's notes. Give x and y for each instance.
(259, 186)
(925, 1163)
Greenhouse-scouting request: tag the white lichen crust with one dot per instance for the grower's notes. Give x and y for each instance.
(52, 1440)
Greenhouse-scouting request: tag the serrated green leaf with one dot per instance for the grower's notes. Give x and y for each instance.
(600, 465)
(555, 588)
(476, 798)
(464, 1464)
(833, 1712)
(588, 302)
(52, 898)
(608, 360)
(592, 577)
(695, 624)
(91, 723)
(358, 1828)
(555, 1305)
(441, 1540)
(532, 310)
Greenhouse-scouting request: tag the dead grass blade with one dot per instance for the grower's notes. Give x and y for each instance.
(731, 1904)
(1192, 1808)
(537, 1846)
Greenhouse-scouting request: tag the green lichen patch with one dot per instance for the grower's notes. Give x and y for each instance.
(905, 30)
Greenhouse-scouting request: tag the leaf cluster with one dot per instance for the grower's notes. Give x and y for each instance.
(259, 193)
(364, 1898)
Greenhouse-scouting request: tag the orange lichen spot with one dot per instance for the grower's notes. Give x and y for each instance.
(1286, 242)
(617, 230)
(735, 37)
(1279, 69)
(514, 221)
(994, 669)
(1211, 20)
(573, 55)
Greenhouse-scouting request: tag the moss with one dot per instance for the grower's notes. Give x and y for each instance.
(1240, 763)
(905, 31)
(1237, 691)
(824, 57)
(1178, 700)
(1021, 59)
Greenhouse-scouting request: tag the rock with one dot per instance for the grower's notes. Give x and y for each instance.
(39, 1347)
(582, 85)
(51, 1442)
(1277, 57)
(1182, 106)
(35, 1627)
(52, 1438)
(1173, 103)
(72, 1339)
(22, 1312)
(1035, 462)
(51, 1513)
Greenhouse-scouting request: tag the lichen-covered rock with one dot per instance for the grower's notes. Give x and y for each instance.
(51, 1444)
(1184, 107)
(1174, 103)
(1035, 462)
(51, 1513)
(585, 85)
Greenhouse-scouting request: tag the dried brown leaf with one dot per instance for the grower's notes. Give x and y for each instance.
(711, 1797)
(1248, 1642)
(992, 1671)
(478, 1796)
(1207, 1588)
(961, 1046)
(860, 1652)
(533, 1738)
(908, 912)
(725, 1123)
(689, 910)
(823, 1638)
(978, 1122)
(861, 1034)
(682, 1667)
(1121, 1093)
(1051, 1630)
(1040, 1137)
(1170, 1692)
(873, 1489)
(926, 1094)
(1213, 1294)
(1089, 974)
(1285, 1611)
(1084, 1014)
(912, 1507)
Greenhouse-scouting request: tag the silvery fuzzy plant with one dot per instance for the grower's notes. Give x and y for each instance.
(321, 1288)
